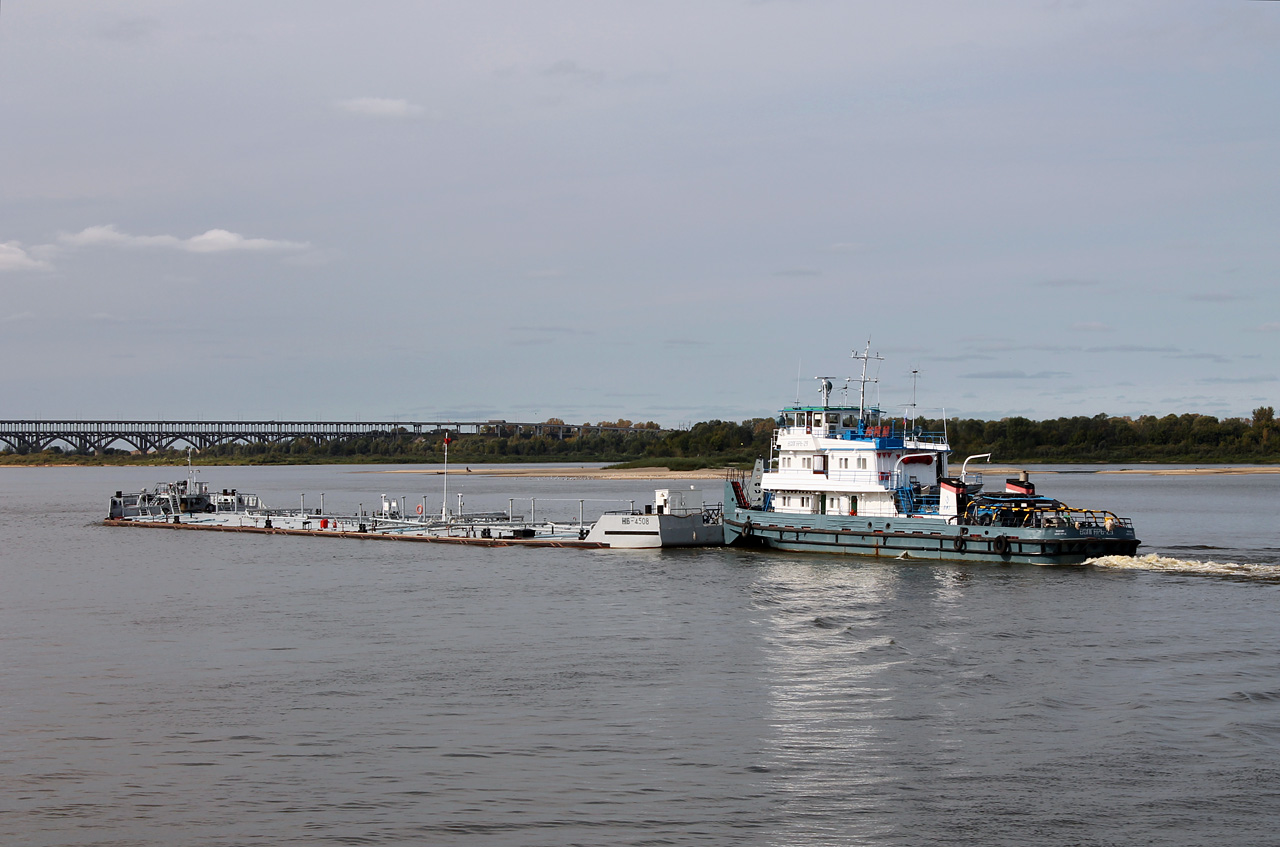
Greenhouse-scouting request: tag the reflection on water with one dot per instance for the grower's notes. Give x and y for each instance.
(828, 651)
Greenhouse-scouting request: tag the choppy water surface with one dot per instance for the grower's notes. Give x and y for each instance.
(164, 688)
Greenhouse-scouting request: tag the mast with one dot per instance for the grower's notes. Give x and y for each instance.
(444, 502)
(191, 475)
(865, 356)
(915, 377)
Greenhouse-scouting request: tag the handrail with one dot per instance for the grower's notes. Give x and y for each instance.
(903, 458)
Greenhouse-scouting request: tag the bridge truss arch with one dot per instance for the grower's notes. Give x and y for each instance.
(152, 436)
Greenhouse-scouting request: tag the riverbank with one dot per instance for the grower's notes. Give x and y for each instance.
(562, 472)
(992, 472)
(536, 471)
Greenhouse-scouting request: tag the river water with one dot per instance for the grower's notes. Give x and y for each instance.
(168, 688)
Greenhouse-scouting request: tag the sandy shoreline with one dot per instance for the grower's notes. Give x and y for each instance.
(536, 472)
(1036, 470)
(562, 472)
(1197, 471)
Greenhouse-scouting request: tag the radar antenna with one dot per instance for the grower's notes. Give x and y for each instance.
(825, 388)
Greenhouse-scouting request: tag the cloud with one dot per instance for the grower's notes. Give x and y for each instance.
(1006, 347)
(17, 316)
(313, 258)
(568, 69)
(1239, 380)
(14, 258)
(212, 241)
(219, 241)
(109, 236)
(1274, 326)
(1015, 375)
(128, 30)
(551, 331)
(1070, 283)
(379, 107)
(1216, 297)
(1137, 348)
(1091, 326)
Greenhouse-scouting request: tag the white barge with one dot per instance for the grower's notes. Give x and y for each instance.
(677, 518)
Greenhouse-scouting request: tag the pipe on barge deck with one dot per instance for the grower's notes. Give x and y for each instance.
(320, 533)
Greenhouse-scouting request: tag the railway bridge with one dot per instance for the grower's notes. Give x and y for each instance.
(33, 436)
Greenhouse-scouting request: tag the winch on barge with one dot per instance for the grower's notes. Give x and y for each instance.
(846, 479)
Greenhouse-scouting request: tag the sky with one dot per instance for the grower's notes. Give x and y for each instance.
(658, 210)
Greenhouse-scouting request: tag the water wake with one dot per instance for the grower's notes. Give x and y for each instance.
(1168, 564)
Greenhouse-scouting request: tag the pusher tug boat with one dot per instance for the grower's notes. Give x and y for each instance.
(846, 479)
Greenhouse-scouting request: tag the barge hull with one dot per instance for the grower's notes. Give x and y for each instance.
(367, 536)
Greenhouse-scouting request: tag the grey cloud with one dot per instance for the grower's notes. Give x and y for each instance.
(1015, 375)
(1071, 283)
(568, 69)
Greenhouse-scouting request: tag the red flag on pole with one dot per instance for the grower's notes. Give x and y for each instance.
(447, 440)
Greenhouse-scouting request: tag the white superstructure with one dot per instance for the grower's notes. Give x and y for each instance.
(851, 460)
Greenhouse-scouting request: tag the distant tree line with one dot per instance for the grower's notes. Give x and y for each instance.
(1176, 439)
(1172, 438)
